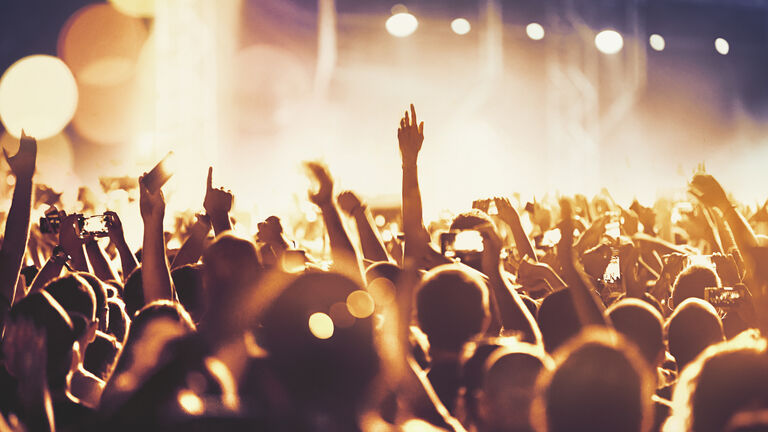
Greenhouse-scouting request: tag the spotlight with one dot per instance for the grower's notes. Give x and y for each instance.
(722, 46)
(460, 26)
(534, 31)
(609, 41)
(657, 42)
(402, 24)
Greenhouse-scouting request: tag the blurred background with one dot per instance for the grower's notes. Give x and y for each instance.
(527, 96)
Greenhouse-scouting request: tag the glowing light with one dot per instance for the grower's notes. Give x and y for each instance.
(402, 24)
(382, 290)
(534, 31)
(341, 316)
(37, 93)
(10, 180)
(360, 304)
(136, 8)
(386, 236)
(722, 46)
(460, 26)
(190, 402)
(657, 42)
(321, 325)
(609, 41)
(380, 220)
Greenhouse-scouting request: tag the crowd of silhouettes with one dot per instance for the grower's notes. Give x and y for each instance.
(566, 314)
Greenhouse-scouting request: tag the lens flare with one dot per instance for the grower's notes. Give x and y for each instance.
(722, 46)
(609, 41)
(535, 31)
(321, 325)
(657, 42)
(402, 24)
(360, 304)
(460, 26)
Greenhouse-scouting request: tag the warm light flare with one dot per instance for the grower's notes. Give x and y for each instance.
(460, 26)
(535, 31)
(402, 24)
(609, 41)
(321, 325)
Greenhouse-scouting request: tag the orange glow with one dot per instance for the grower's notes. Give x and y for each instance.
(39, 94)
(190, 402)
(55, 161)
(321, 325)
(382, 290)
(136, 8)
(360, 304)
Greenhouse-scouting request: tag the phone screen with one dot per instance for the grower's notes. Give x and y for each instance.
(724, 297)
(97, 226)
(160, 174)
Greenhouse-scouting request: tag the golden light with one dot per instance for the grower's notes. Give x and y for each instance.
(657, 42)
(190, 402)
(135, 8)
(722, 46)
(320, 325)
(401, 24)
(534, 31)
(382, 290)
(380, 221)
(37, 93)
(101, 45)
(460, 26)
(341, 316)
(360, 304)
(609, 41)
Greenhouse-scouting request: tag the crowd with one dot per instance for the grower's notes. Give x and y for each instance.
(573, 314)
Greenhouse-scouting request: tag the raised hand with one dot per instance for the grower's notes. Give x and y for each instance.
(69, 233)
(218, 201)
(270, 231)
(151, 204)
(349, 202)
(708, 191)
(505, 209)
(23, 163)
(482, 204)
(324, 194)
(410, 135)
(114, 227)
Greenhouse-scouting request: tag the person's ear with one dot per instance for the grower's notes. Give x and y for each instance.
(91, 331)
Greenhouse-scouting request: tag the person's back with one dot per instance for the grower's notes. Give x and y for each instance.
(599, 384)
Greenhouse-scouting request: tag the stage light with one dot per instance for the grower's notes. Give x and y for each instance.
(402, 24)
(135, 8)
(37, 93)
(534, 31)
(722, 46)
(657, 42)
(609, 41)
(460, 26)
(321, 325)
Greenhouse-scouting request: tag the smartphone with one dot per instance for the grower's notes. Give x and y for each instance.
(461, 242)
(95, 226)
(724, 297)
(613, 227)
(160, 174)
(49, 224)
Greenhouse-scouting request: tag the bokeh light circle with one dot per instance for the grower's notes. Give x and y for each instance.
(320, 325)
(609, 41)
(401, 24)
(461, 26)
(135, 8)
(37, 93)
(534, 31)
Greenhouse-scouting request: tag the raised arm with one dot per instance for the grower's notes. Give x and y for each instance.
(343, 252)
(513, 314)
(410, 137)
(217, 204)
(71, 242)
(511, 217)
(50, 271)
(115, 230)
(155, 277)
(17, 224)
(193, 246)
(370, 239)
(98, 259)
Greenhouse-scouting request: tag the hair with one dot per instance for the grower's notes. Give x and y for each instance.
(133, 292)
(557, 319)
(599, 384)
(100, 291)
(46, 313)
(188, 280)
(727, 379)
(691, 283)
(118, 319)
(340, 366)
(451, 307)
(641, 324)
(101, 355)
(470, 220)
(383, 269)
(693, 326)
(76, 296)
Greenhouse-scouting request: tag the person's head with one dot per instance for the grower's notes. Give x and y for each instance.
(557, 319)
(451, 307)
(188, 281)
(76, 296)
(101, 355)
(642, 325)
(319, 360)
(383, 269)
(44, 312)
(690, 283)
(231, 269)
(133, 292)
(100, 291)
(508, 387)
(724, 389)
(118, 320)
(599, 384)
(693, 326)
(470, 220)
